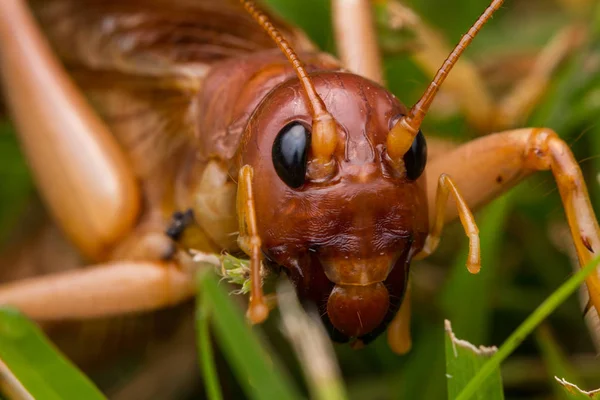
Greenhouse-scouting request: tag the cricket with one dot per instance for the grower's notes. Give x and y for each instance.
(155, 130)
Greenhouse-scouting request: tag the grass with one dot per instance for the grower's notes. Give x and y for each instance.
(525, 252)
(30, 363)
(521, 333)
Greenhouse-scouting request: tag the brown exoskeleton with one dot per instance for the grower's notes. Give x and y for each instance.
(320, 170)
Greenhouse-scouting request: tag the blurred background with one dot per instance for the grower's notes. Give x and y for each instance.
(526, 246)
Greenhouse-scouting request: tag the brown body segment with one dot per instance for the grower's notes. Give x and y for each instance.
(355, 227)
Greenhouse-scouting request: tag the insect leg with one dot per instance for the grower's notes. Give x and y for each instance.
(446, 187)
(250, 243)
(520, 102)
(101, 290)
(356, 38)
(488, 166)
(79, 168)
(398, 332)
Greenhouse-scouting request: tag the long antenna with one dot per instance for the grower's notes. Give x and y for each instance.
(324, 133)
(403, 133)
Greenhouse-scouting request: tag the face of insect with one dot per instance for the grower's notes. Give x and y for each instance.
(345, 241)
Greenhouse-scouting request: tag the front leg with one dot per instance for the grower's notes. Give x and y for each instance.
(486, 167)
(446, 187)
(250, 243)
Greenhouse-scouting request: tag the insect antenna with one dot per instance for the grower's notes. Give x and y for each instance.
(401, 136)
(324, 133)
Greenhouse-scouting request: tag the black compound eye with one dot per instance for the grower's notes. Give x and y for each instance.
(416, 157)
(290, 154)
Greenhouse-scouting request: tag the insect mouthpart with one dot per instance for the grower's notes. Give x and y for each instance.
(358, 310)
(359, 304)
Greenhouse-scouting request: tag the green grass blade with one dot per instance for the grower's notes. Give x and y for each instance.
(258, 372)
(30, 361)
(205, 353)
(425, 359)
(574, 392)
(556, 362)
(564, 379)
(543, 311)
(463, 360)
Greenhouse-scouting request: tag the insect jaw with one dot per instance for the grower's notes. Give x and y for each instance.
(358, 310)
(364, 297)
(358, 272)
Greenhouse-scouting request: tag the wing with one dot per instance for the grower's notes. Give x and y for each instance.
(141, 62)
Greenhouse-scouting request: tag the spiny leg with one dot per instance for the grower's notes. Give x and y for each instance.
(80, 169)
(250, 243)
(490, 165)
(98, 291)
(398, 332)
(446, 187)
(356, 38)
